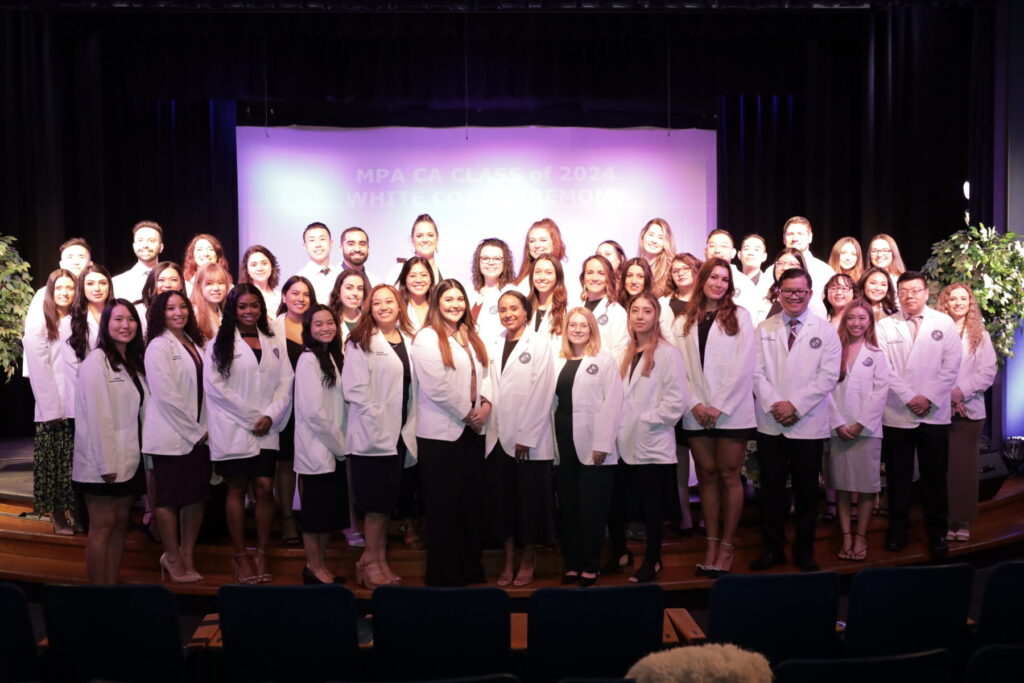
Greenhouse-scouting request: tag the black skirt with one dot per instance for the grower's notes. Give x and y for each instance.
(324, 500)
(647, 486)
(181, 480)
(263, 464)
(376, 481)
(740, 434)
(136, 486)
(520, 499)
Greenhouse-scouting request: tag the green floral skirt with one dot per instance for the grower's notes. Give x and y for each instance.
(51, 470)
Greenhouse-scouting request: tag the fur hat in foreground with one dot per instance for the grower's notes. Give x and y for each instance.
(702, 664)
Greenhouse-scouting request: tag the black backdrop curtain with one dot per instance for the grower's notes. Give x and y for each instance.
(864, 120)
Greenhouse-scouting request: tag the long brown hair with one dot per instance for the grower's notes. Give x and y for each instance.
(366, 327)
(642, 264)
(436, 322)
(662, 263)
(557, 246)
(726, 316)
(833, 259)
(870, 339)
(203, 309)
(559, 295)
(611, 291)
(974, 324)
(647, 349)
(190, 259)
(51, 311)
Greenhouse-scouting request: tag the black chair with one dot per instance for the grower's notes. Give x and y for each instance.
(19, 660)
(119, 633)
(431, 633)
(288, 633)
(782, 616)
(909, 609)
(1002, 606)
(997, 664)
(597, 632)
(931, 666)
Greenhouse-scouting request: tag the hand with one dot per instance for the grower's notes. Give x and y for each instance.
(958, 396)
(522, 452)
(109, 478)
(484, 411)
(919, 405)
(473, 420)
(599, 457)
(784, 413)
(711, 415)
(699, 414)
(960, 409)
(262, 426)
(850, 432)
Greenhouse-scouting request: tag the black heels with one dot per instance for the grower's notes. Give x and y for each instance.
(311, 579)
(648, 572)
(617, 563)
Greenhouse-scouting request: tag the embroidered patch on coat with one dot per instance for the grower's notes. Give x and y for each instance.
(524, 357)
(603, 320)
(592, 369)
(937, 335)
(868, 362)
(815, 343)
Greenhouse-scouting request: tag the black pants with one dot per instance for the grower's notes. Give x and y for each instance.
(584, 496)
(451, 486)
(931, 443)
(801, 460)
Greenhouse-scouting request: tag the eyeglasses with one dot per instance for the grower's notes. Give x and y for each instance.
(840, 288)
(904, 293)
(680, 271)
(794, 293)
(876, 252)
(492, 259)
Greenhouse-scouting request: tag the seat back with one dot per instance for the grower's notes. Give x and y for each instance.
(288, 633)
(782, 616)
(896, 610)
(997, 664)
(120, 633)
(932, 666)
(422, 633)
(593, 632)
(1002, 606)
(18, 658)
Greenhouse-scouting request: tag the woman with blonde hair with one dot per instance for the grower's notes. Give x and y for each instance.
(657, 247)
(846, 258)
(884, 253)
(212, 284)
(977, 372)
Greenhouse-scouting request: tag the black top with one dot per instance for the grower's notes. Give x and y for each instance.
(677, 306)
(537, 318)
(703, 329)
(142, 400)
(294, 351)
(591, 305)
(507, 351)
(563, 390)
(634, 363)
(403, 356)
(259, 355)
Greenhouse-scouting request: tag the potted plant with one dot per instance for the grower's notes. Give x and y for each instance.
(15, 297)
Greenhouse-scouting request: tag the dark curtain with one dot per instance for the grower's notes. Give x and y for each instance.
(863, 120)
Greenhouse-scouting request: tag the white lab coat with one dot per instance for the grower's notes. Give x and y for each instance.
(596, 407)
(977, 372)
(726, 379)
(236, 403)
(521, 405)
(443, 395)
(45, 371)
(611, 321)
(106, 421)
(745, 293)
(821, 272)
(372, 382)
(175, 422)
(322, 283)
(488, 322)
(804, 376)
(128, 285)
(928, 366)
(319, 418)
(651, 407)
(414, 318)
(860, 397)
(70, 361)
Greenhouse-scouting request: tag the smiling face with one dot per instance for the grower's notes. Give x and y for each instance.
(322, 327)
(881, 254)
(635, 280)
(512, 314)
(215, 290)
(296, 299)
(752, 253)
(611, 253)
(63, 291)
(642, 317)
(653, 240)
(784, 263)
(720, 246)
(840, 293)
(578, 331)
(203, 253)
(259, 268)
(248, 312)
(417, 281)
(798, 236)
(491, 262)
(958, 303)
(147, 245)
(176, 313)
(384, 308)
(717, 283)
(857, 320)
(595, 279)
(682, 275)
(452, 305)
(794, 296)
(168, 281)
(539, 241)
(75, 258)
(123, 326)
(352, 292)
(876, 287)
(96, 287)
(544, 277)
(317, 242)
(848, 256)
(424, 239)
(355, 247)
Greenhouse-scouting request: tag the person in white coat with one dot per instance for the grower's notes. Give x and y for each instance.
(587, 411)
(548, 300)
(347, 298)
(415, 283)
(855, 416)
(878, 287)
(424, 237)
(716, 339)
(636, 278)
(600, 297)
(924, 352)
(798, 356)
(109, 410)
(248, 385)
(380, 389)
(977, 372)
(166, 276)
(75, 255)
(798, 234)
(174, 432)
(320, 441)
(453, 407)
(79, 330)
(656, 395)
(54, 434)
(148, 244)
(519, 467)
(720, 244)
(493, 273)
(260, 267)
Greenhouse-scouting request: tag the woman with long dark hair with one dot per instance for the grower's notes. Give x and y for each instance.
(543, 237)
(348, 298)
(415, 282)
(79, 330)
(166, 276)
(879, 290)
(493, 273)
(202, 250)
(320, 440)
(637, 278)
(548, 299)
(174, 431)
(108, 423)
(600, 297)
(248, 386)
(453, 407)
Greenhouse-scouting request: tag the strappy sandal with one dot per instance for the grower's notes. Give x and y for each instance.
(708, 569)
(859, 555)
(239, 562)
(262, 575)
(846, 549)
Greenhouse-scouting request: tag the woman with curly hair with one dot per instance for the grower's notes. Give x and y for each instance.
(493, 274)
(260, 267)
(203, 249)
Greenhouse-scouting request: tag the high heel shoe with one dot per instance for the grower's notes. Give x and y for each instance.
(646, 573)
(708, 569)
(587, 581)
(239, 562)
(524, 577)
(311, 579)
(61, 529)
(165, 567)
(290, 537)
(262, 575)
(617, 563)
(505, 578)
(370, 579)
(410, 537)
(720, 567)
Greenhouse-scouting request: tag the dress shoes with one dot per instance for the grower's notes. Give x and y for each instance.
(938, 548)
(767, 561)
(807, 564)
(895, 542)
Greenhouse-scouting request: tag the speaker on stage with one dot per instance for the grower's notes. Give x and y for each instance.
(992, 472)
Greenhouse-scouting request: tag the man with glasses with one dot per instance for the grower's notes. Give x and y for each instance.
(798, 356)
(923, 350)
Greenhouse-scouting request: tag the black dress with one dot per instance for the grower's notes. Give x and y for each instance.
(286, 449)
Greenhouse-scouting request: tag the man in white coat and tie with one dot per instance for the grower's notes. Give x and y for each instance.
(798, 234)
(798, 357)
(923, 349)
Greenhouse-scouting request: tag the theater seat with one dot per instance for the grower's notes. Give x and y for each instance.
(1002, 606)
(18, 658)
(997, 664)
(931, 666)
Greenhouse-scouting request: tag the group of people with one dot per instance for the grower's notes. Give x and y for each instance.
(523, 410)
